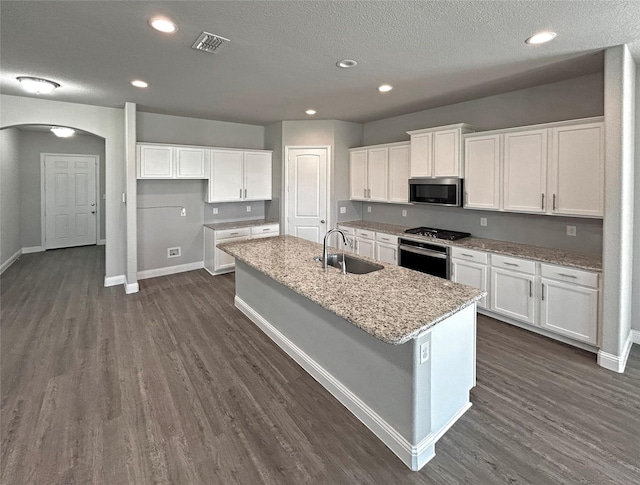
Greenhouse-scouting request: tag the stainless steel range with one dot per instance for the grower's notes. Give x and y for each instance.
(428, 257)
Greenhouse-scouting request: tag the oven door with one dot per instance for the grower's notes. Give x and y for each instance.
(430, 261)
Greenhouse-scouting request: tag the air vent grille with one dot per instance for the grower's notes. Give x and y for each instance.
(210, 43)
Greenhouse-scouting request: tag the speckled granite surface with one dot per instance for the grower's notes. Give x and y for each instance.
(394, 304)
(590, 262)
(221, 226)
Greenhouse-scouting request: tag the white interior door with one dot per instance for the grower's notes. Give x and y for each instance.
(306, 193)
(70, 201)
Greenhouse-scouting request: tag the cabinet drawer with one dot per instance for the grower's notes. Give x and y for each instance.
(469, 255)
(569, 275)
(350, 231)
(386, 238)
(268, 229)
(365, 234)
(514, 264)
(227, 233)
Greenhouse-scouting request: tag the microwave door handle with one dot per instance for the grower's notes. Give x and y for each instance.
(423, 252)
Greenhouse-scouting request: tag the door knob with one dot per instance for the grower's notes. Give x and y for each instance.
(322, 221)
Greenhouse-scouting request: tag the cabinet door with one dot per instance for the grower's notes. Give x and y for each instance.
(482, 172)
(378, 174)
(358, 175)
(525, 171)
(225, 184)
(257, 176)
(365, 247)
(399, 158)
(577, 170)
(570, 310)
(471, 274)
(191, 163)
(446, 153)
(422, 155)
(387, 253)
(224, 261)
(155, 162)
(512, 294)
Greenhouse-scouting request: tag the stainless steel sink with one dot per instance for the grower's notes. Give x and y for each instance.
(353, 265)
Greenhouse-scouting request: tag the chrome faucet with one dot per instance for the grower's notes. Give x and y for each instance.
(324, 249)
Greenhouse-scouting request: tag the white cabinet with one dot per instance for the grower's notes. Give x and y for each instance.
(469, 267)
(513, 288)
(577, 170)
(269, 230)
(569, 303)
(379, 173)
(482, 172)
(365, 243)
(386, 249)
(156, 161)
(437, 152)
(239, 175)
(553, 169)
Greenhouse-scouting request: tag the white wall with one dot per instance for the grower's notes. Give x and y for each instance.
(10, 239)
(635, 315)
(107, 123)
(32, 144)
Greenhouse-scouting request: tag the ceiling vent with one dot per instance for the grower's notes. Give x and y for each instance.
(210, 43)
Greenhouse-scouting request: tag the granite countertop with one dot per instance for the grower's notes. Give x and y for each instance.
(586, 261)
(394, 304)
(220, 226)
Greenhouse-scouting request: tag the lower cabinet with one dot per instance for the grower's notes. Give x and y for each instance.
(387, 253)
(471, 274)
(512, 295)
(365, 244)
(375, 245)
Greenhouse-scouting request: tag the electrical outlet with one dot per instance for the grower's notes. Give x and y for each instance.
(174, 252)
(215, 210)
(368, 208)
(248, 208)
(424, 352)
(404, 212)
(183, 212)
(483, 221)
(343, 210)
(571, 230)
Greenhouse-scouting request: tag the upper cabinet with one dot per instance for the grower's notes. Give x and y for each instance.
(379, 173)
(156, 161)
(239, 175)
(554, 169)
(437, 152)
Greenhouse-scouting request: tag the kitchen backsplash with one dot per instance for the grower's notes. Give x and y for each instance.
(234, 211)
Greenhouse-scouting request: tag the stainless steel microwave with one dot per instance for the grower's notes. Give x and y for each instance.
(436, 191)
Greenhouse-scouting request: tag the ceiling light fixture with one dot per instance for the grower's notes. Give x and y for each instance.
(346, 63)
(37, 85)
(62, 131)
(541, 37)
(162, 24)
(139, 84)
(311, 111)
(385, 88)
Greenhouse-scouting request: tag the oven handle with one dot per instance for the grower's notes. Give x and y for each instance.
(423, 252)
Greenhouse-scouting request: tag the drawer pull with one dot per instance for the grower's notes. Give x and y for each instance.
(265, 230)
(234, 234)
(467, 255)
(511, 264)
(568, 276)
(384, 238)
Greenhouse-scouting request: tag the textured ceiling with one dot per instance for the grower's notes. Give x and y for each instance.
(282, 55)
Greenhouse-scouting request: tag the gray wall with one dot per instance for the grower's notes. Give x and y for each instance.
(32, 144)
(235, 211)
(635, 324)
(580, 97)
(521, 228)
(273, 141)
(10, 240)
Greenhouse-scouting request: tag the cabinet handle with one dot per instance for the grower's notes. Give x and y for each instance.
(568, 276)
(467, 255)
(241, 193)
(233, 234)
(542, 201)
(554, 201)
(542, 291)
(365, 193)
(530, 289)
(511, 264)
(384, 238)
(245, 193)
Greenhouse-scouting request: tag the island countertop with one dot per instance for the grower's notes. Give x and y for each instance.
(394, 304)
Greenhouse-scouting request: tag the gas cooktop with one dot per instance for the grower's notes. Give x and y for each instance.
(437, 233)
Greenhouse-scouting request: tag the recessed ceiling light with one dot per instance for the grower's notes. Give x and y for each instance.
(311, 111)
(162, 24)
(139, 84)
(37, 85)
(62, 131)
(385, 88)
(346, 63)
(541, 37)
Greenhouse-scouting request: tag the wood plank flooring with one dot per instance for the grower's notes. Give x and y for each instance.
(174, 385)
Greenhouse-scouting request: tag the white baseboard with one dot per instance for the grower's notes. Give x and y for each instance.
(635, 336)
(32, 249)
(613, 362)
(130, 288)
(114, 280)
(180, 268)
(12, 259)
(102, 242)
(414, 456)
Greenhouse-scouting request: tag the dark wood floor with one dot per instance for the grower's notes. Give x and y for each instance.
(174, 385)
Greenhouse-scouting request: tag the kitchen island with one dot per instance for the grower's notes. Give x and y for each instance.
(395, 346)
